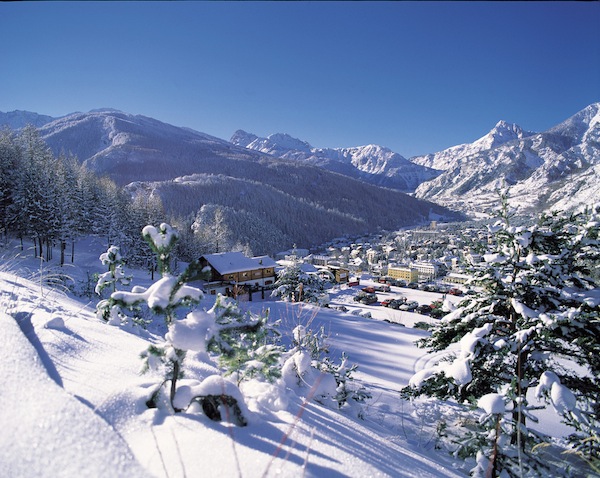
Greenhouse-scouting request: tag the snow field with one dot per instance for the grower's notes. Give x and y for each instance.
(101, 403)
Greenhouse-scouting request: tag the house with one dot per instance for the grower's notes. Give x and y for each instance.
(456, 278)
(231, 270)
(341, 274)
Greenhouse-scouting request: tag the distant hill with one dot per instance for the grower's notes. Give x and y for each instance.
(18, 119)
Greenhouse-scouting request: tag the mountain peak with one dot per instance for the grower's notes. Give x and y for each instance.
(502, 133)
(105, 110)
(242, 138)
(284, 140)
(18, 119)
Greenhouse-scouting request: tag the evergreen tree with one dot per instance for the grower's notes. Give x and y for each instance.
(10, 162)
(536, 319)
(247, 344)
(68, 207)
(295, 285)
(33, 211)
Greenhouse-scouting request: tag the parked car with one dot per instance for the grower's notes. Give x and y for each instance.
(369, 299)
(423, 309)
(365, 298)
(410, 305)
(455, 291)
(429, 288)
(369, 289)
(382, 288)
(395, 304)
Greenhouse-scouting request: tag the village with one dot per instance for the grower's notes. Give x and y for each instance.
(389, 276)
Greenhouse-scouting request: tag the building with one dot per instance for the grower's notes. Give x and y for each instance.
(455, 278)
(400, 272)
(341, 274)
(231, 270)
(319, 259)
(427, 270)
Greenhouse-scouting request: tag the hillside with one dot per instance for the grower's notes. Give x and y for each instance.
(76, 403)
(77, 400)
(556, 169)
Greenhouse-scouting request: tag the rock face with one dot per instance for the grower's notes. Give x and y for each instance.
(556, 169)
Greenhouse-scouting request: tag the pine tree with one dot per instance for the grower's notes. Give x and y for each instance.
(295, 285)
(10, 159)
(247, 344)
(537, 311)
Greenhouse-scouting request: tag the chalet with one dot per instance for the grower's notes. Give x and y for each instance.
(230, 270)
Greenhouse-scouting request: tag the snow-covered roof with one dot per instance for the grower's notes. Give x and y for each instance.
(265, 261)
(230, 262)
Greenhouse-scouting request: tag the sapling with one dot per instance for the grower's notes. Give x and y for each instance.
(246, 343)
(105, 309)
(242, 340)
(308, 364)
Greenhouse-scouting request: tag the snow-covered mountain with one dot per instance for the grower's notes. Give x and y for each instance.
(372, 163)
(130, 147)
(556, 169)
(502, 133)
(270, 203)
(18, 119)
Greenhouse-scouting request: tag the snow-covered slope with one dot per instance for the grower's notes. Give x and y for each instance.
(131, 147)
(74, 403)
(372, 163)
(556, 169)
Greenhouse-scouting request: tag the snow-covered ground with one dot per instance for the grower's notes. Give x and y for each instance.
(73, 401)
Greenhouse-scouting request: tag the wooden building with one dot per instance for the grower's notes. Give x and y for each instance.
(234, 269)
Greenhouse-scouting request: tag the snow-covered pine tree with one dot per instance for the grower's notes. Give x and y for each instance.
(33, 212)
(10, 156)
(68, 207)
(534, 323)
(295, 285)
(247, 344)
(244, 341)
(308, 366)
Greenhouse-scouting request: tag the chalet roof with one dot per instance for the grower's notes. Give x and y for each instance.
(264, 261)
(230, 262)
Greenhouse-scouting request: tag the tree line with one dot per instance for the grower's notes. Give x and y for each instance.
(54, 200)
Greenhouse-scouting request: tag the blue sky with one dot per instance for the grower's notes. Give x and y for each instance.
(416, 77)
